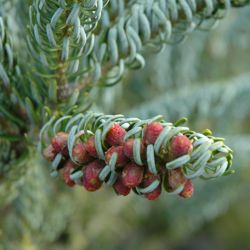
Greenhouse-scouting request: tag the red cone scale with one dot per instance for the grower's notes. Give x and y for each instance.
(68, 168)
(121, 158)
(188, 190)
(128, 148)
(151, 132)
(49, 153)
(149, 178)
(91, 172)
(180, 145)
(90, 147)
(132, 175)
(175, 179)
(120, 188)
(115, 135)
(59, 143)
(80, 153)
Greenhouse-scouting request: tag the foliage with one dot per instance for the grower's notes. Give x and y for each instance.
(58, 66)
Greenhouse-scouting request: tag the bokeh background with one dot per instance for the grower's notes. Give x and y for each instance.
(205, 78)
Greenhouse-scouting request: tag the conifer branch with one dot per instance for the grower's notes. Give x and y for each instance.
(131, 153)
(120, 40)
(60, 33)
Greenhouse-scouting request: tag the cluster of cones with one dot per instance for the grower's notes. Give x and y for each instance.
(130, 175)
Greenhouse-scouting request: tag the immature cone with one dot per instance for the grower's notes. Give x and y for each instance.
(80, 153)
(180, 145)
(121, 158)
(90, 147)
(120, 188)
(148, 179)
(175, 178)
(128, 148)
(91, 172)
(67, 169)
(163, 149)
(132, 175)
(59, 143)
(188, 190)
(115, 135)
(151, 132)
(49, 153)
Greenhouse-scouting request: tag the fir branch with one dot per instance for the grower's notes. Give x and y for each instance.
(60, 33)
(11, 105)
(120, 39)
(124, 30)
(209, 158)
(13, 115)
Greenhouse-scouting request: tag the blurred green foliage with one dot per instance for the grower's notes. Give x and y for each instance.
(205, 78)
